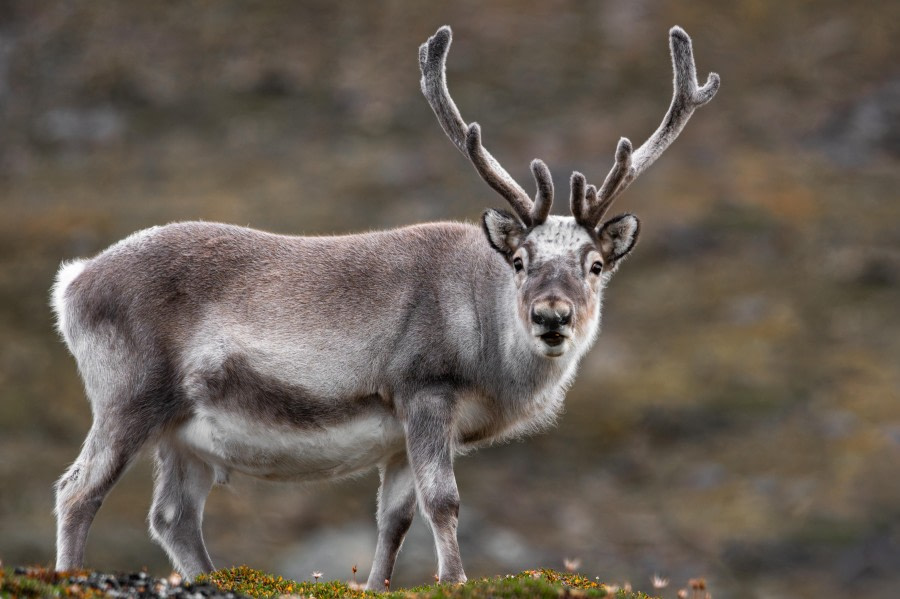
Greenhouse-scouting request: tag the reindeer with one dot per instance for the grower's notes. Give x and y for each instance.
(228, 349)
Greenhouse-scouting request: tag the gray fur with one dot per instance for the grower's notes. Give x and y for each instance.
(312, 358)
(182, 483)
(418, 332)
(578, 197)
(396, 506)
(618, 236)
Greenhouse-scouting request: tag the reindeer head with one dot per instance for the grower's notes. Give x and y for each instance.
(560, 264)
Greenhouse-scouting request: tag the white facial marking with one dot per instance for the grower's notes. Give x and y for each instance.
(557, 237)
(560, 243)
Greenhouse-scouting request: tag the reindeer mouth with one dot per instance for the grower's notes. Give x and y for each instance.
(553, 338)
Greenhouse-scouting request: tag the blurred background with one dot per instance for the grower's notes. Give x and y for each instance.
(739, 418)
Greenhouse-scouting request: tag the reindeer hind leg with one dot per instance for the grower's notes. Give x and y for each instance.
(82, 489)
(396, 507)
(182, 483)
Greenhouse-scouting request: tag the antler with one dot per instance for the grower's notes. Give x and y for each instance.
(687, 97)
(467, 138)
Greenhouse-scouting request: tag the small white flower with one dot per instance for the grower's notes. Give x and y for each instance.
(659, 582)
(317, 575)
(572, 564)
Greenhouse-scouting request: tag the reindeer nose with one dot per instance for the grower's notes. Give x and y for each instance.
(552, 314)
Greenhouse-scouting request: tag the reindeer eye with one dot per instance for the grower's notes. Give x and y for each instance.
(596, 267)
(517, 264)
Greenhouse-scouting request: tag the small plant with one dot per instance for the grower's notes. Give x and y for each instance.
(572, 565)
(659, 582)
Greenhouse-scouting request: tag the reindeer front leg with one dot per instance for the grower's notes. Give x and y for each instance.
(429, 446)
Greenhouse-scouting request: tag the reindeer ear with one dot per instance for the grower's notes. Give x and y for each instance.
(618, 236)
(504, 231)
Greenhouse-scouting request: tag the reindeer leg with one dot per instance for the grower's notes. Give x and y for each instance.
(429, 445)
(81, 490)
(179, 494)
(396, 507)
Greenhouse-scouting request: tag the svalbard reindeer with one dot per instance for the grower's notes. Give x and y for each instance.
(299, 358)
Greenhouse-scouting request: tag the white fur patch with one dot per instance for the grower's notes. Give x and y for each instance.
(68, 272)
(169, 513)
(233, 441)
(471, 414)
(558, 236)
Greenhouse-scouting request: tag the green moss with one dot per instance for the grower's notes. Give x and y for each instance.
(41, 582)
(531, 583)
(44, 582)
(259, 584)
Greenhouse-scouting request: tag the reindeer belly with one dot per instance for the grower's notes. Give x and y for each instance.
(270, 414)
(233, 441)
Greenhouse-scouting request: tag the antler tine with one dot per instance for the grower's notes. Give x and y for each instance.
(687, 96)
(612, 182)
(576, 197)
(432, 63)
(496, 176)
(467, 138)
(544, 197)
(590, 199)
